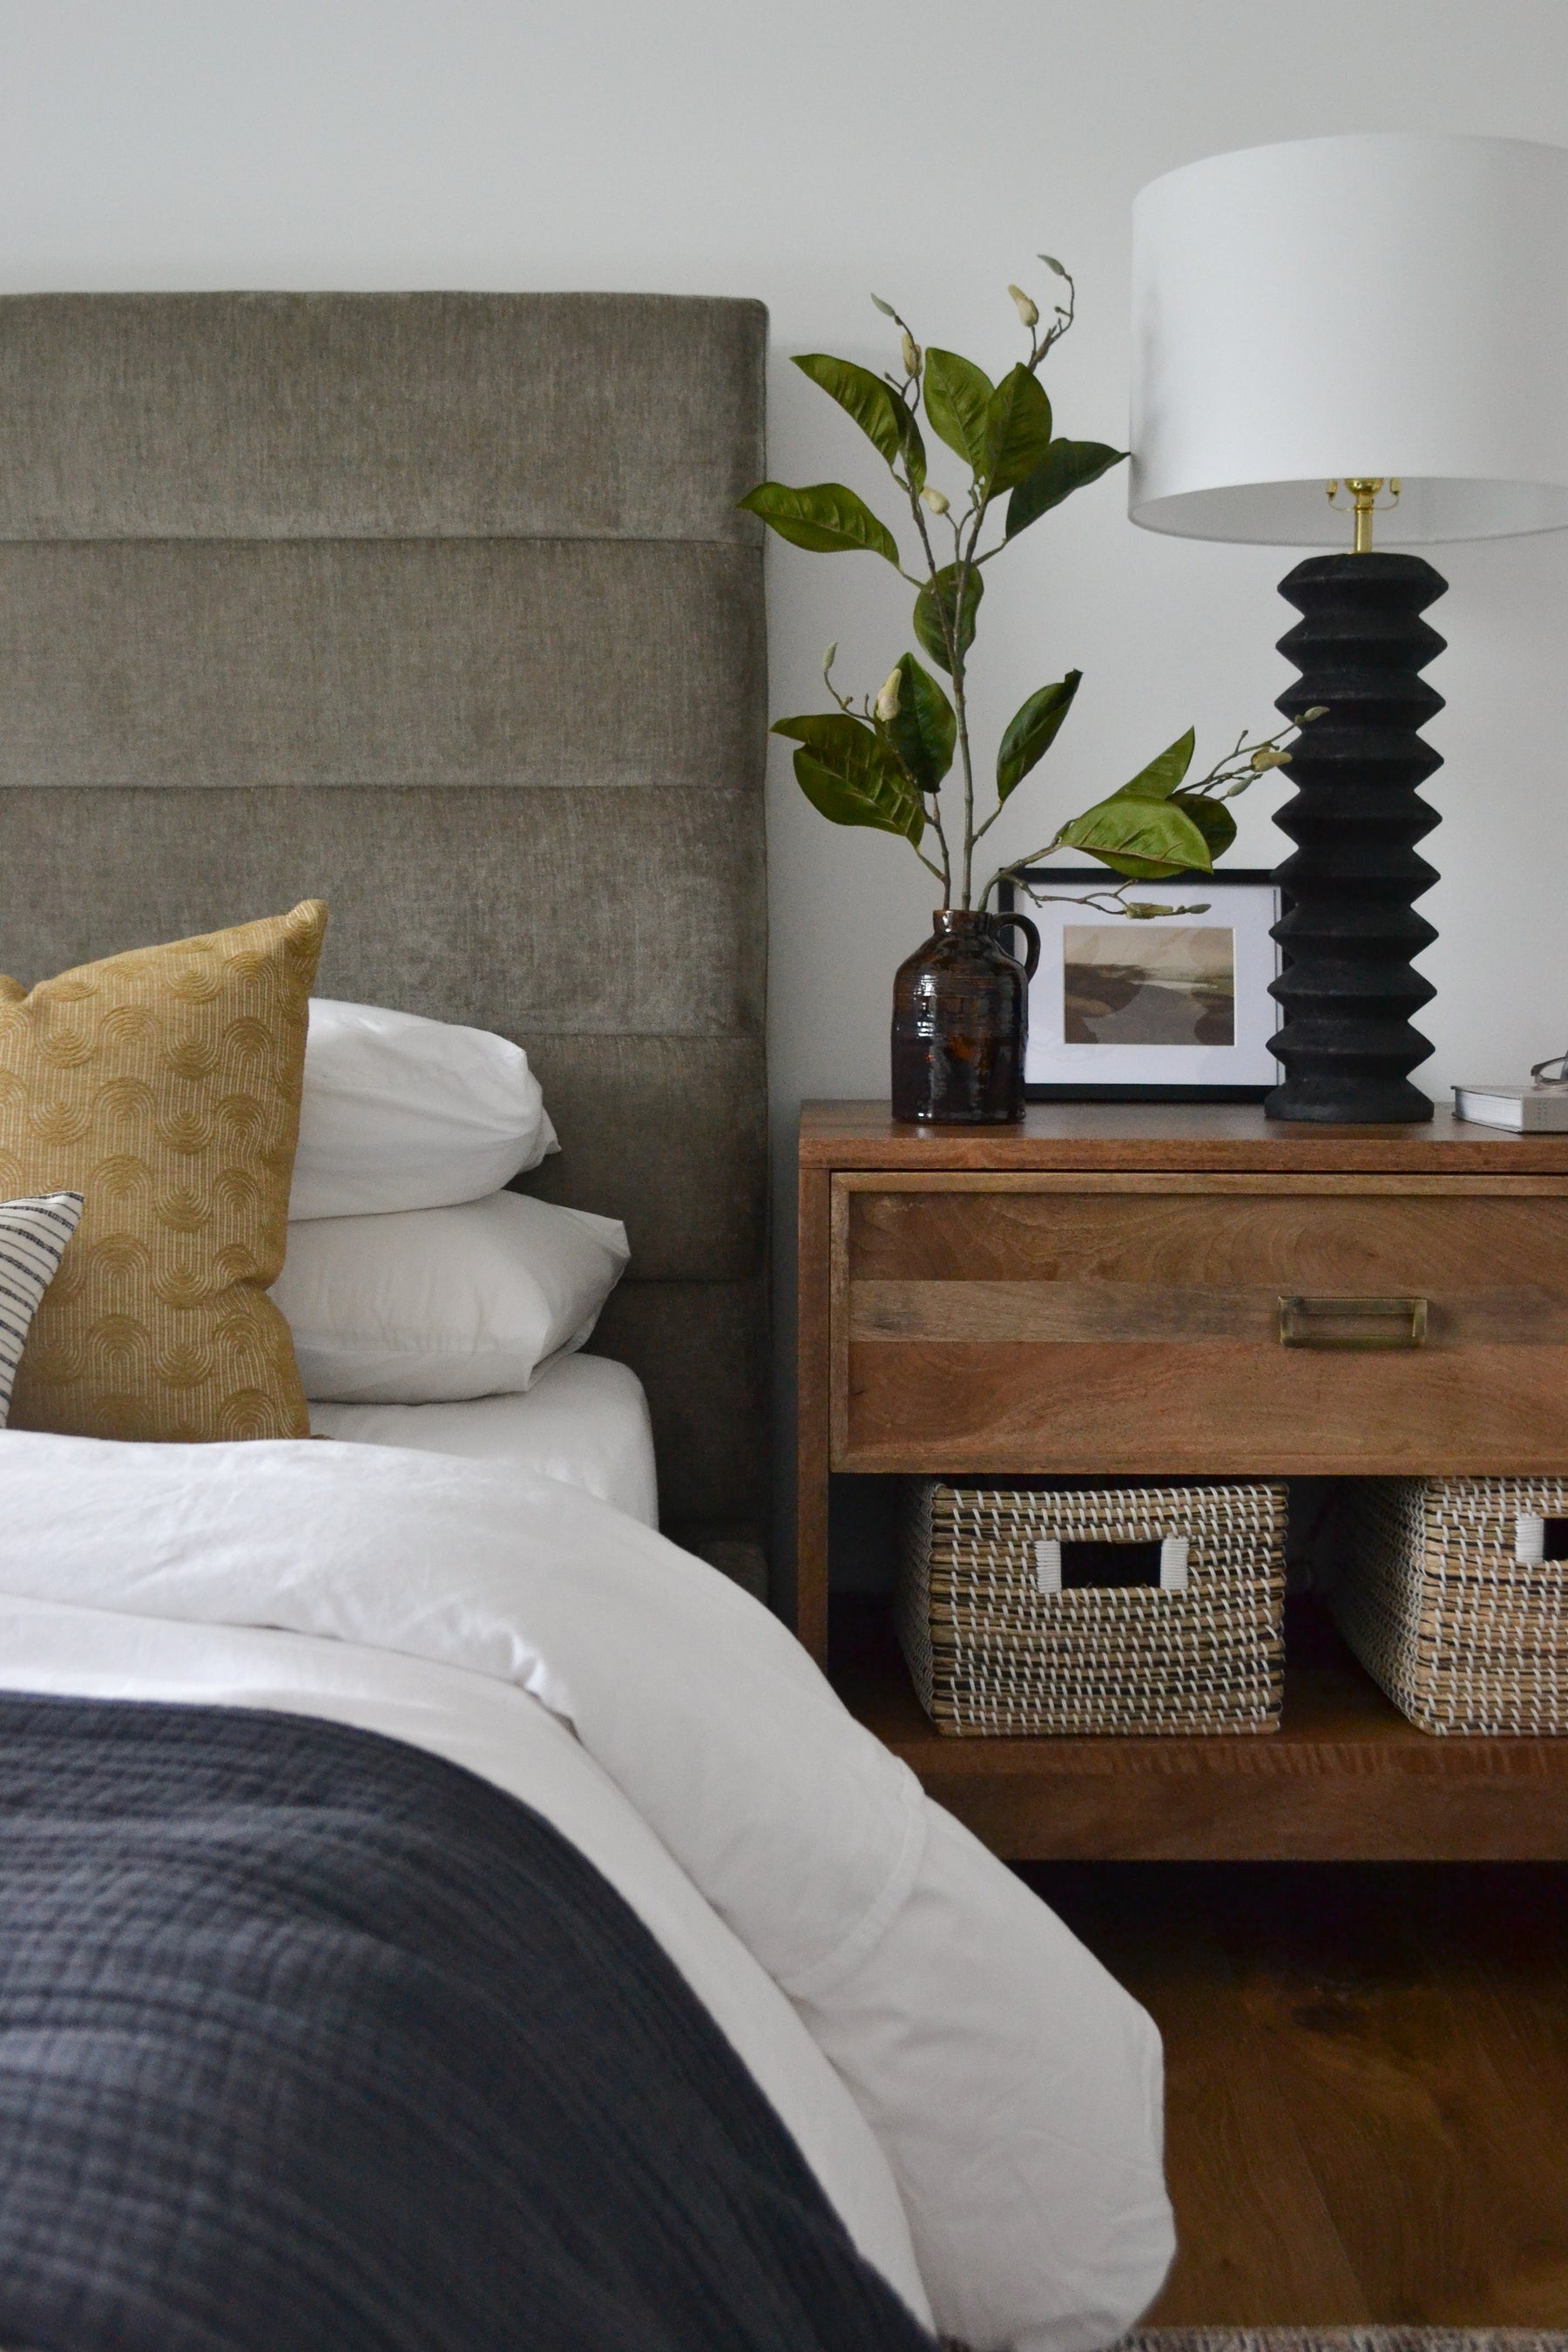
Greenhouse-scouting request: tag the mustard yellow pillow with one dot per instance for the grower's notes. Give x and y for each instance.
(163, 1086)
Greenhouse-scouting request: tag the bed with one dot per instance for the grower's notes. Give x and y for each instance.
(586, 1420)
(491, 634)
(398, 1771)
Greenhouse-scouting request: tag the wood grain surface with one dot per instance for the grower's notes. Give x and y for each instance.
(1151, 1408)
(1302, 1232)
(813, 1375)
(1096, 1293)
(1049, 1313)
(1201, 1136)
(1367, 2084)
(1345, 1776)
(1132, 1325)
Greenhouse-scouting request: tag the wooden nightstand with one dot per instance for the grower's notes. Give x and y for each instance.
(1101, 1292)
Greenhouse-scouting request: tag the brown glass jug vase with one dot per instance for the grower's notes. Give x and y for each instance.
(961, 1022)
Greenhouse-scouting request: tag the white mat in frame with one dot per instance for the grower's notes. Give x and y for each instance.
(1172, 1008)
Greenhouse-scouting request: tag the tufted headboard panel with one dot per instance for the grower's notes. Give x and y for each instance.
(436, 606)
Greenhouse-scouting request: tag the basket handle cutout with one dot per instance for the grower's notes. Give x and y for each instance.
(1068, 1564)
(1536, 1539)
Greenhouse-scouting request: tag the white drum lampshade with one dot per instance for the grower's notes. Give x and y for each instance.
(1375, 318)
(1392, 304)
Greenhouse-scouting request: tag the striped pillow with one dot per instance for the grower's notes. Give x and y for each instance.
(33, 1236)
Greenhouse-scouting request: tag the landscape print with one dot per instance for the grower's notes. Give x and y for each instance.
(1148, 984)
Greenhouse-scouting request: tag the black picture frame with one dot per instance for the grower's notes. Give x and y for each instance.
(1072, 877)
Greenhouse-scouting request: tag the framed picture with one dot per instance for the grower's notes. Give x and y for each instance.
(1173, 1009)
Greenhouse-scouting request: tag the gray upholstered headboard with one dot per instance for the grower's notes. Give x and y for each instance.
(436, 606)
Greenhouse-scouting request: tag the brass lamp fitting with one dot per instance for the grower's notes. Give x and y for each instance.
(1363, 490)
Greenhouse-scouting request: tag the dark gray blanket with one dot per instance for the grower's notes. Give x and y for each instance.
(311, 2040)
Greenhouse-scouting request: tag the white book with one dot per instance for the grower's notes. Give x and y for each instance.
(1532, 1110)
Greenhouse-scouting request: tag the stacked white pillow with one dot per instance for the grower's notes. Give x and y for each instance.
(411, 1277)
(403, 1113)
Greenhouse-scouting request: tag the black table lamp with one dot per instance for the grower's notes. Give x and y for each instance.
(1323, 332)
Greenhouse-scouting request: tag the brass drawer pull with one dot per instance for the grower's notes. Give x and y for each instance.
(1353, 1322)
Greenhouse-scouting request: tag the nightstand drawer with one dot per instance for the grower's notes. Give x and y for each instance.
(1235, 1324)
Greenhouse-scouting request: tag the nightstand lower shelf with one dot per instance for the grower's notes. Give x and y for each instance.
(1346, 1779)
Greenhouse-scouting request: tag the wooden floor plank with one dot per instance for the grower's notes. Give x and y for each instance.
(1255, 2243)
(1499, 1941)
(1382, 2086)
(1391, 2079)
(1367, 2084)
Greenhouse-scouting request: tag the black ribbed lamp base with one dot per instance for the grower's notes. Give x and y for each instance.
(1348, 989)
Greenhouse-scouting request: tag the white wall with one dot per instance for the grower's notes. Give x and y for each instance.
(807, 152)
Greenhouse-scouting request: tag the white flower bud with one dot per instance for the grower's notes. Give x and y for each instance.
(934, 499)
(1270, 759)
(1027, 310)
(1318, 710)
(887, 703)
(912, 354)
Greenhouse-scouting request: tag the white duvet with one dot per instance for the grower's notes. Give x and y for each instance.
(979, 2099)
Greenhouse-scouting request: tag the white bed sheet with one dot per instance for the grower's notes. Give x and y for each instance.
(1014, 2089)
(586, 1420)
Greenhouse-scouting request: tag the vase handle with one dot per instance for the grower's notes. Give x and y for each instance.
(1025, 924)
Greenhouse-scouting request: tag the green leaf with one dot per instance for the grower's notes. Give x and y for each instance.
(885, 308)
(875, 406)
(1032, 730)
(939, 598)
(1052, 263)
(1159, 779)
(1067, 467)
(848, 772)
(1150, 839)
(1215, 823)
(957, 396)
(827, 519)
(925, 729)
(1018, 429)
(861, 394)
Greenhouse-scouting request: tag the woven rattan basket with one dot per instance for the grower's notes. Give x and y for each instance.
(1445, 1597)
(994, 1648)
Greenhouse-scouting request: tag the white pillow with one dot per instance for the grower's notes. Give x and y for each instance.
(430, 1306)
(399, 1112)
